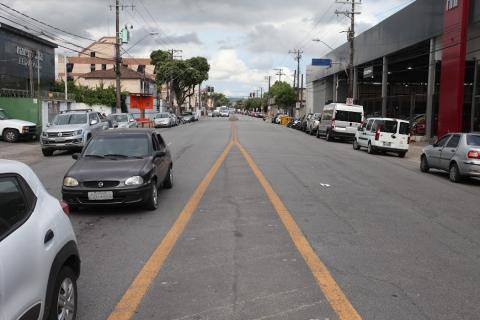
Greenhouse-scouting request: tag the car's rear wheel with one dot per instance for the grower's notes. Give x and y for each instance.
(168, 182)
(328, 137)
(47, 152)
(10, 135)
(370, 149)
(356, 146)
(152, 201)
(402, 154)
(454, 173)
(424, 167)
(64, 301)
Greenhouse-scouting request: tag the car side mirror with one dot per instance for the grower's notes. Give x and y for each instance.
(48, 124)
(93, 122)
(75, 156)
(159, 154)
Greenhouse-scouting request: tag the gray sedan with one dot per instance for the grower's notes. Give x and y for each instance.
(456, 153)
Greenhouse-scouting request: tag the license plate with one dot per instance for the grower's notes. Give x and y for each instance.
(387, 144)
(59, 140)
(101, 195)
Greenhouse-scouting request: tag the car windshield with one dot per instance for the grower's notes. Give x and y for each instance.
(119, 117)
(3, 115)
(162, 115)
(72, 118)
(473, 140)
(348, 116)
(118, 146)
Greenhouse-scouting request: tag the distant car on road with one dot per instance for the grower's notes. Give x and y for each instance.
(312, 124)
(124, 120)
(188, 116)
(456, 153)
(163, 120)
(12, 130)
(119, 167)
(340, 120)
(383, 134)
(71, 130)
(39, 260)
(175, 120)
(224, 112)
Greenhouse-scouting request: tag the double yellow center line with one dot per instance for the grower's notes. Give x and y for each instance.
(130, 301)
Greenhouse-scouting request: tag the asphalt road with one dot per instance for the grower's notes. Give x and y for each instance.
(400, 244)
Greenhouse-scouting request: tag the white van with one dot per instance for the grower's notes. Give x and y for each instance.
(383, 134)
(340, 121)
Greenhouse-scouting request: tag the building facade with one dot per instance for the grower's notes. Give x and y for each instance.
(420, 64)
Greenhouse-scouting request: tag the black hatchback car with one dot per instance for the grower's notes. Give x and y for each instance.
(119, 167)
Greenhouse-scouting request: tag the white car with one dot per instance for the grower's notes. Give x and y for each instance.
(383, 134)
(11, 130)
(340, 120)
(39, 260)
(163, 120)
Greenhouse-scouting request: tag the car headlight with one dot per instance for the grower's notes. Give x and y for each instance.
(70, 182)
(134, 181)
(78, 132)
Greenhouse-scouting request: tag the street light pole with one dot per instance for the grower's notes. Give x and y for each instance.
(118, 104)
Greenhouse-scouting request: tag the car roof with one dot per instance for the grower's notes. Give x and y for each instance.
(20, 168)
(122, 131)
(388, 119)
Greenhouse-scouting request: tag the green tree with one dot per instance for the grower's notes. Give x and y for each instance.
(255, 103)
(219, 99)
(183, 75)
(284, 95)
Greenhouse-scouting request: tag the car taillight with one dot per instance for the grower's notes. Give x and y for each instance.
(473, 154)
(377, 134)
(65, 207)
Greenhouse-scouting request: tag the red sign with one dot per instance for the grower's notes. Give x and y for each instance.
(454, 44)
(141, 102)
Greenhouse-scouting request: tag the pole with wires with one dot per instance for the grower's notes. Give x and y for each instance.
(118, 98)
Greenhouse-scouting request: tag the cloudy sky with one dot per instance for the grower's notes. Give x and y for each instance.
(244, 40)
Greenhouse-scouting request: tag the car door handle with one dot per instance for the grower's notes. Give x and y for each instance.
(48, 236)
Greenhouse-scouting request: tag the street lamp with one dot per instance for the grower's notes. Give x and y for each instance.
(326, 44)
(143, 38)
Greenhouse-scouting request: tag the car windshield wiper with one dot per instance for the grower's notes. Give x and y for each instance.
(94, 156)
(122, 156)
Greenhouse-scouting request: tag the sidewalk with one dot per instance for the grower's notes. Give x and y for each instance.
(415, 150)
(27, 152)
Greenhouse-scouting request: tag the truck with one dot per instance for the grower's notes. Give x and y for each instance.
(12, 130)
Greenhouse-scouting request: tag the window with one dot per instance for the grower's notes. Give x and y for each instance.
(73, 118)
(442, 141)
(473, 140)
(348, 116)
(161, 142)
(404, 128)
(17, 203)
(104, 67)
(369, 125)
(132, 146)
(453, 143)
(92, 67)
(92, 117)
(92, 54)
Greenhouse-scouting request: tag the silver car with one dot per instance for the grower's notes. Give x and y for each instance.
(456, 153)
(124, 120)
(71, 130)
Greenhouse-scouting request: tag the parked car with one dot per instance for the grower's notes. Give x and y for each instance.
(456, 153)
(303, 125)
(187, 116)
(419, 125)
(71, 130)
(383, 134)
(312, 124)
(118, 168)
(340, 120)
(175, 120)
(163, 120)
(224, 112)
(216, 112)
(124, 120)
(39, 259)
(12, 130)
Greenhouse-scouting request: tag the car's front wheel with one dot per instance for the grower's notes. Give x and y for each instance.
(454, 173)
(356, 146)
(64, 300)
(370, 149)
(424, 167)
(152, 200)
(47, 152)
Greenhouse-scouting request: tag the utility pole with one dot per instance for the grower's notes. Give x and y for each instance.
(30, 71)
(295, 79)
(65, 78)
(269, 78)
(173, 56)
(297, 54)
(351, 37)
(279, 73)
(38, 75)
(118, 58)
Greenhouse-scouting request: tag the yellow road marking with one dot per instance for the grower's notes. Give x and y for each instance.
(334, 294)
(128, 304)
